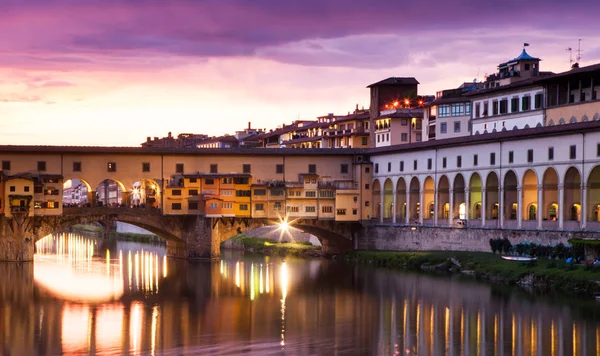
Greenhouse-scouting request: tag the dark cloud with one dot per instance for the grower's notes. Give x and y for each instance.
(78, 32)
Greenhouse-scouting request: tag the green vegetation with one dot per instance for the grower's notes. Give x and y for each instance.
(88, 228)
(266, 247)
(550, 274)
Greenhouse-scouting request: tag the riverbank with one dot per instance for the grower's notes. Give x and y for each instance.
(544, 274)
(273, 248)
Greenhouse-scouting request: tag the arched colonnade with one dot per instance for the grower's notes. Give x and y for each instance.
(531, 198)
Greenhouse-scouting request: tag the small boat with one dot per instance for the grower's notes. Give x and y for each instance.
(516, 258)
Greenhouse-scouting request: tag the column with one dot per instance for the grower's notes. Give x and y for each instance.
(407, 205)
(519, 205)
(394, 207)
(540, 204)
(435, 206)
(568, 94)
(451, 201)
(501, 206)
(421, 207)
(583, 206)
(381, 205)
(561, 201)
(467, 205)
(483, 205)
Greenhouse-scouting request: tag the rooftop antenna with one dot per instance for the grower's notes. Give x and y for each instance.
(579, 51)
(570, 56)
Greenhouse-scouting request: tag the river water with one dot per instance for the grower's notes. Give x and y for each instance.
(85, 296)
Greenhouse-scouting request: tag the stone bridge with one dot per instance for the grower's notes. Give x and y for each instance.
(187, 236)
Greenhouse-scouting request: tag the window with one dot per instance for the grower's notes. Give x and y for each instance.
(526, 66)
(494, 108)
(244, 207)
(378, 138)
(277, 206)
(279, 169)
(485, 109)
(327, 194)
(293, 209)
(245, 168)
(76, 166)
(41, 166)
(458, 161)
(367, 170)
(193, 205)
(389, 166)
(415, 164)
(176, 206)
(193, 180)
(468, 109)
(227, 180)
(503, 106)
(259, 207)
(241, 180)
(6, 165)
(344, 168)
(214, 168)
(367, 203)
(341, 211)
(538, 101)
(209, 181)
(365, 141)
(525, 103)
(401, 166)
(458, 109)
(312, 168)
(310, 209)
(193, 191)
(176, 192)
(12, 188)
(179, 168)
(477, 110)
(310, 194)
(475, 160)
(598, 149)
(429, 163)
(418, 137)
(327, 209)
(38, 189)
(514, 104)
(112, 166)
(276, 192)
(242, 193)
(376, 167)
(226, 193)
(387, 135)
(213, 206)
(456, 126)
(444, 110)
(551, 153)
(530, 155)
(443, 127)
(354, 211)
(355, 199)
(26, 189)
(145, 167)
(511, 156)
(403, 137)
(492, 158)
(260, 192)
(367, 186)
(404, 122)
(444, 162)
(573, 152)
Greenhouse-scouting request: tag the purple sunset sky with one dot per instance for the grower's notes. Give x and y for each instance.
(106, 72)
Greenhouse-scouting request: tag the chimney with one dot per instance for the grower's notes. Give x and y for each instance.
(155, 138)
(169, 134)
(148, 139)
(249, 125)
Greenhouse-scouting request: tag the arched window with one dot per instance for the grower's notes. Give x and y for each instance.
(462, 211)
(446, 210)
(552, 211)
(551, 122)
(431, 211)
(495, 211)
(477, 211)
(574, 212)
(513, 211)
(561, 121)
(572, 120)
(532, 211)
(584, 118)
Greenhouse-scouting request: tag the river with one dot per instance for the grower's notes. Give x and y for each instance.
(85, 296)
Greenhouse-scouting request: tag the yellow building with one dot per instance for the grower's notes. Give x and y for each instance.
(47, 199)
(18, 195)
(243, 194)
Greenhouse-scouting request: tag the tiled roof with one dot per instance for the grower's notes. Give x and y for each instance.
(395, 81)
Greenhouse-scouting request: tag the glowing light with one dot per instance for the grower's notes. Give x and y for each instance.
(135, 326)
(75, 328)
(406, 102)
(284, 226)
(153, 330)
(396, 103)
(283, 282)
(109, 327)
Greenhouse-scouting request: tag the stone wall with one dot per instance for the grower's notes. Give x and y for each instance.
(404, 238)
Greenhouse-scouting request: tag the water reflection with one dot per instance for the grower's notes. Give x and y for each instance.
(256, 306)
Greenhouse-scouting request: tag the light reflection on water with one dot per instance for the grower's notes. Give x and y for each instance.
(85, 295)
